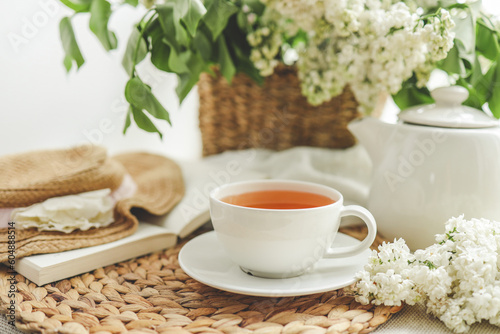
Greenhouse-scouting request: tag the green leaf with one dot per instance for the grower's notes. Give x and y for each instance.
(127, 120)
(256, 6)
(475, 100)
(171, 54)
(298, 39)
(494, 103)
(218, 15)
(484, 83)
(245, 65)
(190, 12)
(100, 11)
(70, 45)
(466, 57)
(188, 80)
(240, 50)
(166, 20)
(203, 45)
(139, 95)
(181, 35)
(465, 32)
(133, 3)
(487, 40)
(143, 121)
(135, 52)
(494, 100)
(185, 84)
(453, 64)
(78, 6)
(225, 61)
(242, 20)
(479, 85)
(476, 74)
(160, 53)
(68, 63)
(178, 62)
(411, 95)
(170, 22)
(154, 29)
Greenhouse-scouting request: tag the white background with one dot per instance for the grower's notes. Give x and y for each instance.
(42, 106)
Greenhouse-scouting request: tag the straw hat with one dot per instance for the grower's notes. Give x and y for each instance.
(34, 177)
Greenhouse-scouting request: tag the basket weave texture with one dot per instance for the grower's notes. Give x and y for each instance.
(152, 294)
(275, 116)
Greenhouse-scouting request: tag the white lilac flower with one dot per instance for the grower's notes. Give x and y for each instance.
(457, 278)
(372, 46)
(485, 303)
(265, 40)
(453, 316)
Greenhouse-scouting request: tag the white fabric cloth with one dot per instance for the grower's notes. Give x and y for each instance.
(329, 167)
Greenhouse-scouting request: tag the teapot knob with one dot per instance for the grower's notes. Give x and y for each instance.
(454, 95)
(448, 111)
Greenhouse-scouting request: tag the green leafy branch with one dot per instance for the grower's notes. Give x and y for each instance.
(100, 12)
(185, 37)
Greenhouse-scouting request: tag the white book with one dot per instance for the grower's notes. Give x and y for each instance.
(46, 268)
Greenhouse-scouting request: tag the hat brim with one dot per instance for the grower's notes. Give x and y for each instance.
(32, 177)
(159, 188)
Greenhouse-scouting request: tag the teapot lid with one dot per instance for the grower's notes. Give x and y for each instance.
(448, 111)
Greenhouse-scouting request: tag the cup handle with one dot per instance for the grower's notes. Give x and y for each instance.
(367, 217)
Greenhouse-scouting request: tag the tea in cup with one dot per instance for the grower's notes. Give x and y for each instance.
(281, 228)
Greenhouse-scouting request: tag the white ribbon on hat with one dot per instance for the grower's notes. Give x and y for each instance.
(68, 213)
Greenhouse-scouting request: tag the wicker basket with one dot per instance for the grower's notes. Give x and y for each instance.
(274, 116)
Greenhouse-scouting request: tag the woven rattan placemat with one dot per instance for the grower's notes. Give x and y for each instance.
(152, 294)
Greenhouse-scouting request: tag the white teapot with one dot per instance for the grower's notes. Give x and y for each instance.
(439, 161)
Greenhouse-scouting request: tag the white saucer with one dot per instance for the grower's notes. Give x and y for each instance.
(204, 259)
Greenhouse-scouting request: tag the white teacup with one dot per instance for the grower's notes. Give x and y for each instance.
(280, 243)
